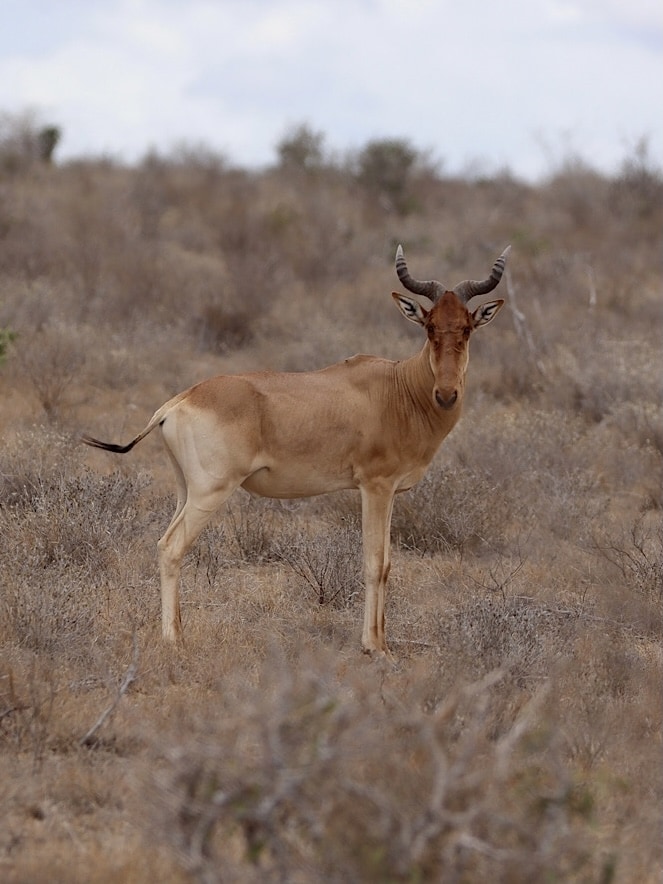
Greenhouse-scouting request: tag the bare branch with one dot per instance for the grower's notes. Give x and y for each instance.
(520, 324)
(129, 676)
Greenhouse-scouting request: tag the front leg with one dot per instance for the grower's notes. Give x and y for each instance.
(377, 503)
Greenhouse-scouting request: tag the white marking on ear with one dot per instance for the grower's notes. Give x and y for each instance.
(486, 312)
(410, 308)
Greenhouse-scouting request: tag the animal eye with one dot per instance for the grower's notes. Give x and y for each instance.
(466, 332)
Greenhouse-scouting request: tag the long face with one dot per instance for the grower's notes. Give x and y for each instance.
(448, 325)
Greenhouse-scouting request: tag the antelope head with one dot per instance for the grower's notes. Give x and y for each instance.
(448, 324)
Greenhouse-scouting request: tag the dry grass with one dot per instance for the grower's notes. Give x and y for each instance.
(518, 736)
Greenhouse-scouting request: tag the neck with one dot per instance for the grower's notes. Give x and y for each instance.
(416, 384)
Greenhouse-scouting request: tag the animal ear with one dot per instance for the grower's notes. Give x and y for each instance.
(483, 314)
(410, 308)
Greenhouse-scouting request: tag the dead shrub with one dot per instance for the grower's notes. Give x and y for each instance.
(636, 556)
(33, 456)
(610, 695)
(251, 528)
(50, 613)
(596, 378)
(578, 193)
(542, 462)
(26, 710)
(224, 329)
(73, 521)
(257, 531)
(299, 779)
(638, 189)
(329, 564)
(60, 537)
(210, 554)
(52, 360)
(454, 508)
(518, 634)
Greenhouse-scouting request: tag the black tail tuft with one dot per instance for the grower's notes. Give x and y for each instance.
(108, 446)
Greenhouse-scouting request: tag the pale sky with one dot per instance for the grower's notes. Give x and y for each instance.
(518, 84)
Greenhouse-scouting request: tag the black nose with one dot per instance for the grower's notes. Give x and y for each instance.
(446, 401)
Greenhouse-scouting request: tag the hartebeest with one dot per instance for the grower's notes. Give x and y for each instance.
(365, 423)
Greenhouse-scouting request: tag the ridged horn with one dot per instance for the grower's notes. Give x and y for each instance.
(470, 287)
(430, 289)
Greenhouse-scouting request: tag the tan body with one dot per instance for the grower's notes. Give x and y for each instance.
(365, 423)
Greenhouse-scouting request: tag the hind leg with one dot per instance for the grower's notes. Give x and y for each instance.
(192, 514)
(171, 622)
(180, 483)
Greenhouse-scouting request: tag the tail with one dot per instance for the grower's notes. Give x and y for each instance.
(157, 418)
(111, 446)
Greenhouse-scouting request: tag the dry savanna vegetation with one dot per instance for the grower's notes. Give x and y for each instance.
(516, 737)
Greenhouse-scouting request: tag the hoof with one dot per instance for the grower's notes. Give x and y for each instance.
(379, 653)
(173, 639)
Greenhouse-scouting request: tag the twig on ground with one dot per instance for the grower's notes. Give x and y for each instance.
(129, 676)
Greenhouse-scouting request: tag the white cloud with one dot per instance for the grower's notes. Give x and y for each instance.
(470, 80)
